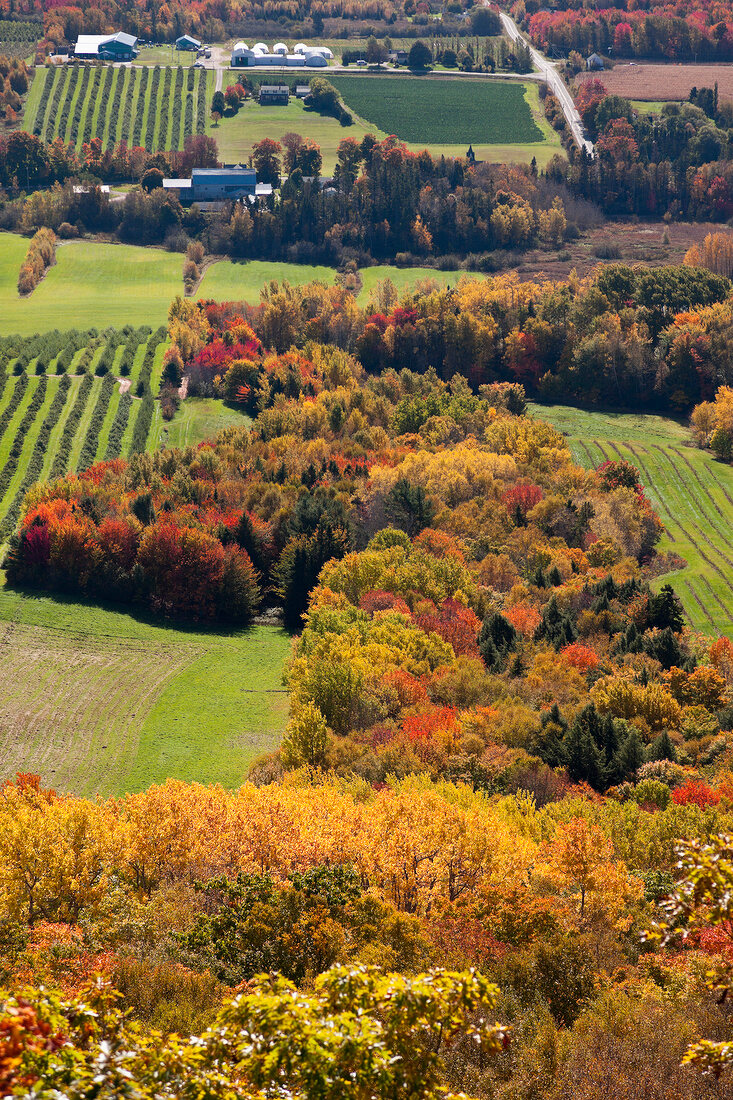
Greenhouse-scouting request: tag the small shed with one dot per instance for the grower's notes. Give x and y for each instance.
(594, 62)
(187, 42)
(274, 95)
(302, 90)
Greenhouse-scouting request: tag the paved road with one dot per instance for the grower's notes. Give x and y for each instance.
(555, 83)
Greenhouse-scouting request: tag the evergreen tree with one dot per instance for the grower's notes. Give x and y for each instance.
(496, 639)
(665, 610)
(630, 756)
(662, 748)
(556, 627)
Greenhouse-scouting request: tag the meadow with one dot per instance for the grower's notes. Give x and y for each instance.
(507, 123)
(156, 108)
(99, 701)
(691, 491)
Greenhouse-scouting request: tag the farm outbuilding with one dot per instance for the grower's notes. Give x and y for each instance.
(187, 42)
(594, 62)
(211, 184)
(260, 55)
(106, 47)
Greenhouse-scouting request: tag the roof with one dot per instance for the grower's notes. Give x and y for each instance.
(223, 175)
(92, 43)
(595, 57)
(274, 89)
(181, 184)
(188, 38)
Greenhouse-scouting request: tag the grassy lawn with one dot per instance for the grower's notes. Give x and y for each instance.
(98, 701)
(91, 284)
(649, 106)
(237, 134)
(692, 493)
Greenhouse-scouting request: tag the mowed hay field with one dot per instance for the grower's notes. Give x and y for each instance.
(692, 493)
(663, 82)
(505, 121)
(99, 702)
(156, 108)
(91, 283)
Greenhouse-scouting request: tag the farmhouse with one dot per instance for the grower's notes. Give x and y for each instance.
(212, 184)
(274, 95)
(187, 42)
(106, 47)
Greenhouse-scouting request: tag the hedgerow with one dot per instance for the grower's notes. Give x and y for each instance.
(153, 109)
(176, 135)
(83, 82)
(201, 106)
(118, 427)
(39, 257)
(94, 97)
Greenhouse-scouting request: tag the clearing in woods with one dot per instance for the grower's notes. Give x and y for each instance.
(692, 493)
(100, 702)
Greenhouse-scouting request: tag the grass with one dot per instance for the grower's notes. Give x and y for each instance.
(442, 112)
(692, 493)
(404, 278)
(198, 419)
(91, 284)
(99, 701)
(649, 107)
(231, 281)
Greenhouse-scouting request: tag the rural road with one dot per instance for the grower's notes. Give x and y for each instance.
(554, 82)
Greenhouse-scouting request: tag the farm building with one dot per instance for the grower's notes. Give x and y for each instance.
(210, 184)
(595, 62)
(106, 47)
(274, 95)
(187, 42)
(314, 57)
(302, 90)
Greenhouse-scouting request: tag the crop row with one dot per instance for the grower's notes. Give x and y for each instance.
(146, 370)
(61, 458)
(16, 397)
(98, 82)
(137, 130)
(36, 404)
(91, 440)
(118, 427)
(60, 81)
(43, 99)
(153, 109)
(119, 83)
(40, 449)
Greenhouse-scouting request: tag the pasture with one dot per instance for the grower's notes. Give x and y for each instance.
(156, 108)
(692, 493)
(98, 701)
(230, 281)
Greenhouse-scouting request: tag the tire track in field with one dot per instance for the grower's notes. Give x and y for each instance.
(683, 458)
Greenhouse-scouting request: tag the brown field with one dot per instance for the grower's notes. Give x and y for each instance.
(633, 242)
(661, 81)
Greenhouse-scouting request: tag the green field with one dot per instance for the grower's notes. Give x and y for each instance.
(496, 136)
(404, 278)
(92, 284)
(199, 418)
(442, 112)
(98, 701)
(152, 107)
(692, 493)
(232, 281)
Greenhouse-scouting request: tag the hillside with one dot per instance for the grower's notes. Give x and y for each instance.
(691, 491)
